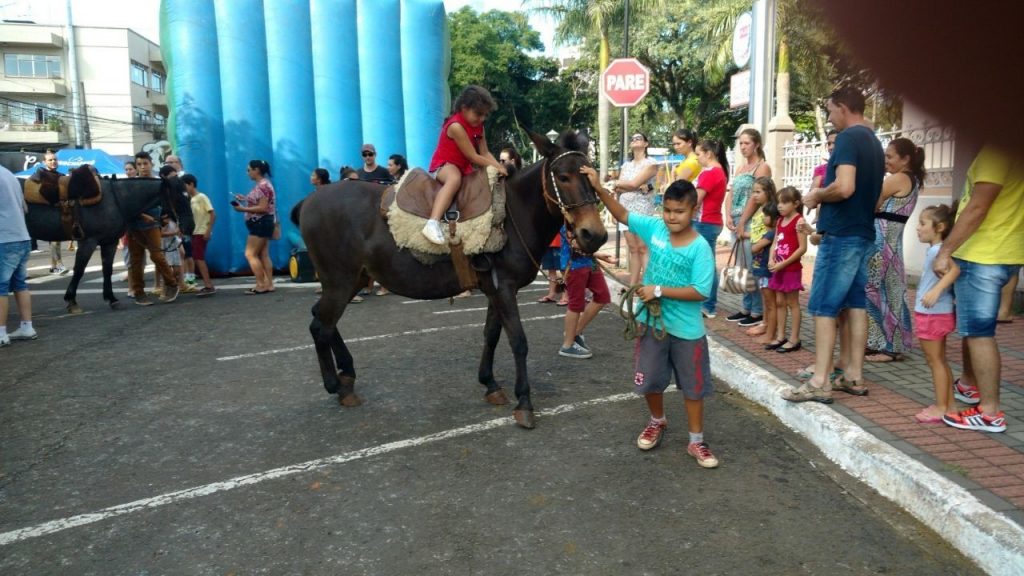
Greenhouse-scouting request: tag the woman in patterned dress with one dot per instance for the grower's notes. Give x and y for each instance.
(635, 188)
(889, 316)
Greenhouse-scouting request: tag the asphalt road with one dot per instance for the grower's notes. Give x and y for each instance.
(196, 438)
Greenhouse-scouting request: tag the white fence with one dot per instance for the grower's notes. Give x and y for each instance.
(800, 158)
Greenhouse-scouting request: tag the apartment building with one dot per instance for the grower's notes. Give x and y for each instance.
(122, 89)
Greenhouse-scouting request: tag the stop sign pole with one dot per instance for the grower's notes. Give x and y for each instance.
(624, 83)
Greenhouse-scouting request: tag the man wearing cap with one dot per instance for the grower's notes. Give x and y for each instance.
(371, 171)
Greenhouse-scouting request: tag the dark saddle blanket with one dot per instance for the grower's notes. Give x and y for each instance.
(81, 186)
(416, 191)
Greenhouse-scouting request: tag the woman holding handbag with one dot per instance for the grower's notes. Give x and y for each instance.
(260, 211)
(741, 208)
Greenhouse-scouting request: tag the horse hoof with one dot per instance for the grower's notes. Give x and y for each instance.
(524, 418)
(497, 398)
(350, 401)
(75, 309)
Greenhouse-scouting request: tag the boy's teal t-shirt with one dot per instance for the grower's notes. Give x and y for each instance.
(690, 265)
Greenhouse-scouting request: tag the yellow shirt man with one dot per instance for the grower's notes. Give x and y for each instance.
(1000, 237)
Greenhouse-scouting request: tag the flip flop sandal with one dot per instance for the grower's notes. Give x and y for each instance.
(807, 393)
(849, 386)
(545, 298)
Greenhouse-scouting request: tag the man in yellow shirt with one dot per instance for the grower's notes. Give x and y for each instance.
(987, 243)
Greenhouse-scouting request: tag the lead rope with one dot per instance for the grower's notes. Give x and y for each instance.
(629, 311)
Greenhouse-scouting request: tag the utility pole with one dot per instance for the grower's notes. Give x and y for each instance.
(763, 68)
(77, 114)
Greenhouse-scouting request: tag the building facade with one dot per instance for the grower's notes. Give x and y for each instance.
(122, 89)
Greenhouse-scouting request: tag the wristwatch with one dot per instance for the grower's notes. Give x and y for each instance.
(657, 291)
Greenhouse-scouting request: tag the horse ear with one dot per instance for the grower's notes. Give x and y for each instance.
(544, 146)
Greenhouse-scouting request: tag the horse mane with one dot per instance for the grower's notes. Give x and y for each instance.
(574, 140)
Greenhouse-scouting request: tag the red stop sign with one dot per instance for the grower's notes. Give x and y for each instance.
(625, 82)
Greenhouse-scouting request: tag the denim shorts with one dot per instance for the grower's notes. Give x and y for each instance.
(840, 275)
(14, 266)
(262, 227)
(977, 289)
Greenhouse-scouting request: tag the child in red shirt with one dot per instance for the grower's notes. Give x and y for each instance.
(789, 246)
(460, 146)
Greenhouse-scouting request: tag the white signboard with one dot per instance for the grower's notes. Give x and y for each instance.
(739, 89)
(741, 39)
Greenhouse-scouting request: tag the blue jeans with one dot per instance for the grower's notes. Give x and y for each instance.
(751, 300)
(978, 289)
(710, 233)
(14, 266)
(840, 275)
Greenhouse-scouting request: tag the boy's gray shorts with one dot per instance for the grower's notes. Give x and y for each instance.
(657, 361)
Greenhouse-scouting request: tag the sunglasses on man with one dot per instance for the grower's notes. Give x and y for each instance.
(368, 154)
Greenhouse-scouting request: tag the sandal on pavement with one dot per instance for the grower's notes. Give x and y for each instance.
(774, 344)
(807, 393)
(881, 357)
(546, 298)
(787, 349)
(849, 386)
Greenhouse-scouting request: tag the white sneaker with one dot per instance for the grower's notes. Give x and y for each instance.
(5, 340)
(432, 230)
(61, 269)
(23, 333)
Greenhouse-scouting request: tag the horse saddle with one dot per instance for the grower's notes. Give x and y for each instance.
(67, 192)
(416, 191)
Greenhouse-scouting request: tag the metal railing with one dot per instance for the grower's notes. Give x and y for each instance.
(801, 157)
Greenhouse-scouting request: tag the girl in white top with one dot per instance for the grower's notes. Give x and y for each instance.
(635, 188)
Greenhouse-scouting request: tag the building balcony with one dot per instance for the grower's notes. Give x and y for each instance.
(30, 135)
(29, 35)
(34, 86)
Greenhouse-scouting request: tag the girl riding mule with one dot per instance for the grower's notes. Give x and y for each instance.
(349, 241)
(104, 223)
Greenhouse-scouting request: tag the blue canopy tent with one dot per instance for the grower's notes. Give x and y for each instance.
(68, 160)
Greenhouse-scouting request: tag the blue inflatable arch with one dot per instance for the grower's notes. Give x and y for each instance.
(300, 84)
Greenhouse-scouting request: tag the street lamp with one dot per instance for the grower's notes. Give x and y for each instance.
(552, 135)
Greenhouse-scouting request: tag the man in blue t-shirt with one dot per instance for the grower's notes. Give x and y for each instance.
(852, 185)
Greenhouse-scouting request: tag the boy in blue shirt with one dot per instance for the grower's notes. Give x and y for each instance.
(582, 274)
(679, 275)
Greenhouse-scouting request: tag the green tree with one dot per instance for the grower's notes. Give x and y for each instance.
(493, 50)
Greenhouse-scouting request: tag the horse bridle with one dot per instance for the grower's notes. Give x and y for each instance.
(557, 199)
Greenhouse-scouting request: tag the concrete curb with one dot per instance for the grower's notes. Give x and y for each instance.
(980, 533)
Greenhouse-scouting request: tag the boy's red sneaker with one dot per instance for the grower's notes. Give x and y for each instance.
(702, 453)
(651, 436)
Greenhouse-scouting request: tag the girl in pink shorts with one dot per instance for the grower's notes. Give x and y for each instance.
(933, 310)
(787, 271)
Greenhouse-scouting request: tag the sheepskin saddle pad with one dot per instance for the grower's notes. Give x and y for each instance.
(480, 202)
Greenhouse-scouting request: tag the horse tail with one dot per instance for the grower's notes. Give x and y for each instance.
(296, 210)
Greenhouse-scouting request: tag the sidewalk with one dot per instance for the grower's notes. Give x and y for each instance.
(967, 486)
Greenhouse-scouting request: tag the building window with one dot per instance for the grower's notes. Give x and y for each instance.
(157, 82)
(139, 74)
(142, 118)
(32, 66)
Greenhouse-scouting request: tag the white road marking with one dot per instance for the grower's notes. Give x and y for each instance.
(379, 337)
(69, 522)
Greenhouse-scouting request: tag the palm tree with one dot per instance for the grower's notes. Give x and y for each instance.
(579, 18)
(802, 41)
